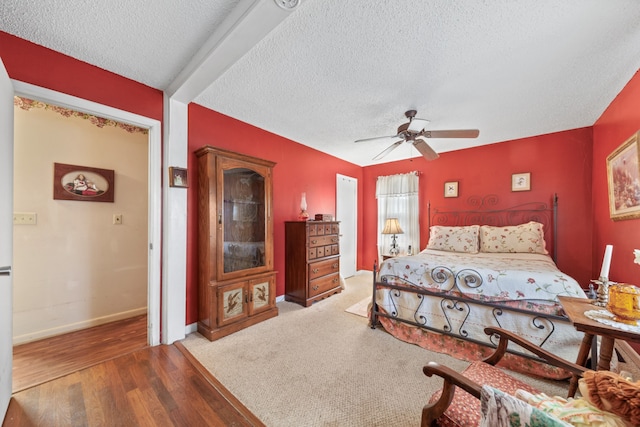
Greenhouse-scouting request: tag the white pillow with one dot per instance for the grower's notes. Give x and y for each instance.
(454, 239)
(523, 238)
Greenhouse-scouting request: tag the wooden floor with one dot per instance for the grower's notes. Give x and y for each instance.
(40, 361)
(162, 385)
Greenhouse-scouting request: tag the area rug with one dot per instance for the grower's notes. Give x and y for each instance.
(360, 308)
(322, 366)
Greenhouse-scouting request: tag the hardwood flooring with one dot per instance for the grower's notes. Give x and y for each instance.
(147, 386)
(40, 361)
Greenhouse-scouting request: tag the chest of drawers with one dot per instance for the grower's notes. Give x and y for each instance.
(312, 264)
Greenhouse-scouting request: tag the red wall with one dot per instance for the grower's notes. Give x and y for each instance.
(298, 169)
(37, 65)
(619, 122)
(559, 163)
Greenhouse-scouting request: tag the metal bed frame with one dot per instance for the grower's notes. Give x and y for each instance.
(452, 300)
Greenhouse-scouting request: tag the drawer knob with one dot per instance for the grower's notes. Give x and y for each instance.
(335, 265)
(315, 270)
(315, 287)
(335, 280)
(314, 241)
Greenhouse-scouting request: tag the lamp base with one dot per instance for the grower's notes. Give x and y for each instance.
(394, 247)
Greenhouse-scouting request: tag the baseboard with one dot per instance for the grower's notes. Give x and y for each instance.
(89, 323)
(189, 329)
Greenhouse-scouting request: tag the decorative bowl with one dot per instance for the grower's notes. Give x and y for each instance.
(624, 303)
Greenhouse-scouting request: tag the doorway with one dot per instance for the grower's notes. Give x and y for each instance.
(153, 226)
(347, 214)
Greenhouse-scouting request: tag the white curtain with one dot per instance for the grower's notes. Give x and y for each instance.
(398, 198)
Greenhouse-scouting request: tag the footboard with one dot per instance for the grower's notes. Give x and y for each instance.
(455, 315)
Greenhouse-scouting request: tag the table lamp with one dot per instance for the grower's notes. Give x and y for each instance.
(391, 226)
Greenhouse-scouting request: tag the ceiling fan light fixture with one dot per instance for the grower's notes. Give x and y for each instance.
(414, 132)
(417, 125)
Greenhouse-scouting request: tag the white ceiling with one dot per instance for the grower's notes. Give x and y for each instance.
(333, 71)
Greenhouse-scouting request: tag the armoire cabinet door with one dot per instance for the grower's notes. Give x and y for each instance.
(261, 294)
(232, 303)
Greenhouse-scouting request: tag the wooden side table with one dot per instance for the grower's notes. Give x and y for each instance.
(575, 309)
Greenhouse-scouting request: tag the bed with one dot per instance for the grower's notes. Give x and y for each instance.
(482, 266)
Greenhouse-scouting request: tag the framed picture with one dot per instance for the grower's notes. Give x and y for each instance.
(178, 177)
(82, 183)
(623, 176)
(451, 189)
(521, 181)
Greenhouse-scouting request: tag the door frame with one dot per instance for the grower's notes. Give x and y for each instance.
(154, 307)
(339, 216)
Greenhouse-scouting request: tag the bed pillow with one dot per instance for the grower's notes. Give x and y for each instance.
(454, 239)
(523, 238)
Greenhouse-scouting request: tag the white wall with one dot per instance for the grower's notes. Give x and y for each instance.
(75, 268)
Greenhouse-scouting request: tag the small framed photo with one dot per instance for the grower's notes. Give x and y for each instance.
(451, 189)
(178, 177)
(521, 181)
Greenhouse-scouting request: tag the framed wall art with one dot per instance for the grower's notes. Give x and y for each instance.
(623, 176)
(178, 177)
(521, 181)
(451, 189)
(82, 183)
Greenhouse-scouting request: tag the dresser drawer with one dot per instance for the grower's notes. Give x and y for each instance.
(322, 268)
(313, 230)
(315, 241)
(323, 284)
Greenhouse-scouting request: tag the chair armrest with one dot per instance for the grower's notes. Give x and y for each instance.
(452, 379)
(506, 336)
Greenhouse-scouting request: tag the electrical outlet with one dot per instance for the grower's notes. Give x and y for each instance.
(24, 218)
(117, 219)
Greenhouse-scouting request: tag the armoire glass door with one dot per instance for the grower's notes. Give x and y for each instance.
(243, 219)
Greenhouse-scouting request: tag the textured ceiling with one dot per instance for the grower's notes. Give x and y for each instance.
(334, 71)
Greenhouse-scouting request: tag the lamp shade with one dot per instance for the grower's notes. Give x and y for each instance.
(391, 226)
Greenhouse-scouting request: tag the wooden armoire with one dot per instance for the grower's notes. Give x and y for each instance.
(236, 279)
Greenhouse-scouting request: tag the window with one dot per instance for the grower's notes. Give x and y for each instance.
(398, 198)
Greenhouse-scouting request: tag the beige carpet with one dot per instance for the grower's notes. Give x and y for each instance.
(323, 366)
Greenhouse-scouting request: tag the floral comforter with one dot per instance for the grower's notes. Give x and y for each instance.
(485, 276)
(529, 282)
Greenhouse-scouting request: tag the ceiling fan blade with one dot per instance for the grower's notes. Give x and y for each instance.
(379, 137)
(388, 150)
(460, 133)
(417, 125)
(425, 149)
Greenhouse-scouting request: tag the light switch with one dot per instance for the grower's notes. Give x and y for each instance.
(24, 218)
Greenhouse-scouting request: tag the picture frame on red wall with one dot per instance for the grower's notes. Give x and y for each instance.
(521, 181)
(623, 180)
(451, 189)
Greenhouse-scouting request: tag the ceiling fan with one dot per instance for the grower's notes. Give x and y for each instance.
(414, 132)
